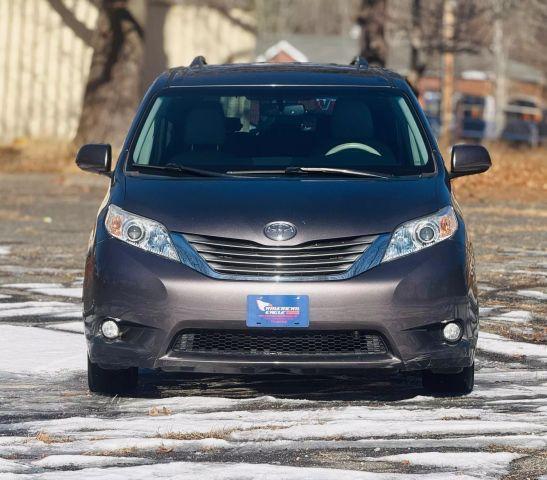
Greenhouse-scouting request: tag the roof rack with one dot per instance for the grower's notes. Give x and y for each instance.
(198, 61)
(359, 62)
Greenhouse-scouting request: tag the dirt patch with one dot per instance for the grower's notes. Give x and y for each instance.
(37, 156)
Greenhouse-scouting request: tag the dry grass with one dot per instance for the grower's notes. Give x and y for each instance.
(45, 437)
(534, 334)
(163, 450)
(516, 174)
(25, 155)
(120, 452)
(217, 433)
(494, 447)
(159, 412)
(462, 417)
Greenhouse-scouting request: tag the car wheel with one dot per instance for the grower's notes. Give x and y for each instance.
(102, 380)
(455, 383)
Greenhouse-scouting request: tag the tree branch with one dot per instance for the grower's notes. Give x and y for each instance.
(78, 28)
(221, 8)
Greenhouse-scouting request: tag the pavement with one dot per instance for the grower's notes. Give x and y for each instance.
(259, 427)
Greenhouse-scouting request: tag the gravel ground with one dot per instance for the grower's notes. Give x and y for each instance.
(224, 427)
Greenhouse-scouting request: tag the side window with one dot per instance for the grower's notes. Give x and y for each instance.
(145, 142)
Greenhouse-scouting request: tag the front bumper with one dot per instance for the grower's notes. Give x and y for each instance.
(406, 301)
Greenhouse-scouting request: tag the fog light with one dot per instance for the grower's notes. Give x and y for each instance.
(110, 329)
(452, 332)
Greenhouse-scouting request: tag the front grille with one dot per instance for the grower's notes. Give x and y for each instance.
(317, 258)
(278, 343)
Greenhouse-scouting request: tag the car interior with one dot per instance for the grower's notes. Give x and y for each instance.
(246, 132)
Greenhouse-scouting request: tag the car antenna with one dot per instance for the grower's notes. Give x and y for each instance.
(198, 61)
(359, 62)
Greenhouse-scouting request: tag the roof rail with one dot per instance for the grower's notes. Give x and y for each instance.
(198, 61)
(359, 62)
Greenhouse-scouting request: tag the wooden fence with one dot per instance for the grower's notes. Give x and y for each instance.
(44, 64)
(43, 69)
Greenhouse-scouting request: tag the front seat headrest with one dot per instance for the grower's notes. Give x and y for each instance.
(352, 120)
(205, 125)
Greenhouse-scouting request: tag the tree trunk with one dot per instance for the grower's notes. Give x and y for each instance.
(372, 20)
(417, 66)
(114, 85)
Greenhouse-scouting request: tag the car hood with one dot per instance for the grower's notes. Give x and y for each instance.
(319, 208)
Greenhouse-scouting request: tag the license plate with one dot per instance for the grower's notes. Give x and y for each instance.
(278, 311)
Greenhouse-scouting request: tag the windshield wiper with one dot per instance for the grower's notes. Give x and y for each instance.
(175, 168)
(320, 170)
(337, 171)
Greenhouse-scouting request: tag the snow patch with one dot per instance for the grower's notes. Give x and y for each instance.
(20, 270)
(31, 350)
(50, 289)
(11, 466)
(81, 461)
(532, 272)
(486, 310)
(483, 463)
(532, 294)
(515, 316)
(231, 471)
(491, 342)
(74, 327)
(5, 250)
(40, 309)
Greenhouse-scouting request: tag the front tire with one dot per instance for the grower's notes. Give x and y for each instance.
(112, 382)
(450, 383)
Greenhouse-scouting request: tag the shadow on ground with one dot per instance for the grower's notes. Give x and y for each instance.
(375, 387)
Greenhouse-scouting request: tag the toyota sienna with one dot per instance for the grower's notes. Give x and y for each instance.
(280, 218)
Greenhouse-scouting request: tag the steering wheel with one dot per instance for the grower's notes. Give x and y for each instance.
(353, 146)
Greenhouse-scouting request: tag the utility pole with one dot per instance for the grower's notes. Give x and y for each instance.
(500, 55)
(447, 87)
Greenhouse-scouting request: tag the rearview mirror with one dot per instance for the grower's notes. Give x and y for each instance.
(95, 158)
(468, 160)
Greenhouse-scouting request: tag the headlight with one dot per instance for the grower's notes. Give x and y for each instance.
(421, 233)
(140, 232)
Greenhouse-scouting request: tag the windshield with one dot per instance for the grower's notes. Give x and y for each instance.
(269, 130)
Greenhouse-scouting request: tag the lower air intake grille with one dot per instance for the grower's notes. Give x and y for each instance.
(245, 342)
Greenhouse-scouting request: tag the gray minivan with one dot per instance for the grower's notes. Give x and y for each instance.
(280, 218)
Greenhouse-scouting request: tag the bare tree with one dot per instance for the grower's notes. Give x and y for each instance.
(372, 18)
(319, 17)
(114, 83)
(129, 33)
(70, 20)
(420, 22)
(417, 64)
(525, 30)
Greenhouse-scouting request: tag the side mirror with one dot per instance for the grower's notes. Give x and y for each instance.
(468, 160)
(95, 158)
